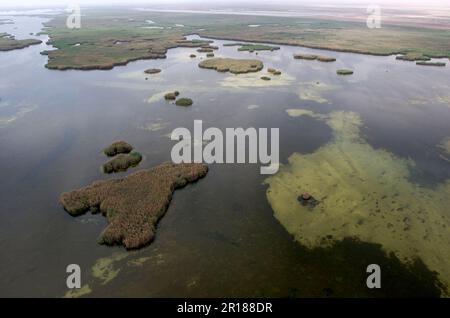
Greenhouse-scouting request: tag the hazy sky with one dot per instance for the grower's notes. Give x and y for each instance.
(64, 3)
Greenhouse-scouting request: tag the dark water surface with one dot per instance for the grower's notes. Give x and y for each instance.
(219, 236)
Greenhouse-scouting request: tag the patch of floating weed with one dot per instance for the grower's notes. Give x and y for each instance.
(362, 192)
(78, 292)
(445, 146)
(254, 80)
(314, 91)
(104, 268)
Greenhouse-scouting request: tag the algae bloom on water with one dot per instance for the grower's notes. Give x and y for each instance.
(152, 71)
(184, 102)
(117, 147)
(364, 193)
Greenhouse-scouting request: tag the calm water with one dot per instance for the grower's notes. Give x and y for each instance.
(219, 236)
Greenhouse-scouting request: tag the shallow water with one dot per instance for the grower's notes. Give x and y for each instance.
(219, 236)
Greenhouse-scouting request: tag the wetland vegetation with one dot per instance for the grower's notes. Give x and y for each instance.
(117, 147)
(133, 205)
(9, 42)
(122, 162)
(235, 66)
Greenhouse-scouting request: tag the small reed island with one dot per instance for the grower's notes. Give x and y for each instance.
(313, 57)
(123, 159)
(184, 101)
(117, 147)
(344, 72)
(424, 63)
(132, 205)
(152, 71)
(235, 66)
(122, 162)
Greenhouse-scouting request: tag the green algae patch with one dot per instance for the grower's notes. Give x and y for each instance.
(344, 72)
(138, 262)
(152, 71)
(253, 80)
(363, 193)
(104, 269)
(133, 205)
(235, 66)
(257, 47)
(445, 147)
(315, 91)
(78, 292)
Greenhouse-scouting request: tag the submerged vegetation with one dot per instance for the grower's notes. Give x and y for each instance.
(235, 66)
(326, 59)
(122, 162)
(273, 71)
(9, 42)
(363, 193)
(133, 205)
(171, 95)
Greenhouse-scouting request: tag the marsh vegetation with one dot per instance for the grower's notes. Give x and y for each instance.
(235, 66)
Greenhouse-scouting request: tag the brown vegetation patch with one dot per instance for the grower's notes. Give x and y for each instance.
(122, 162)
(134, 204)
(235, 66)
(117, 147)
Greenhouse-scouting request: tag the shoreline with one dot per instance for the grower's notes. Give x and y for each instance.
(226, 38)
